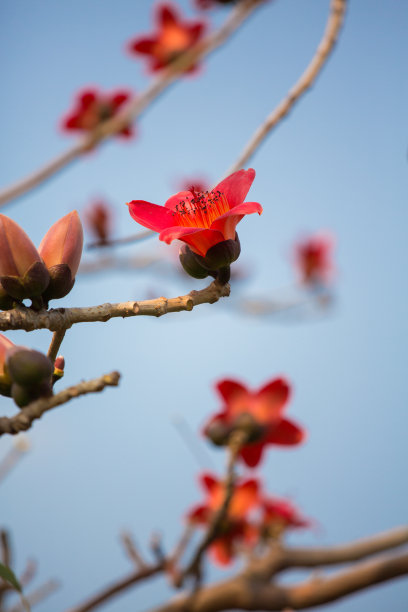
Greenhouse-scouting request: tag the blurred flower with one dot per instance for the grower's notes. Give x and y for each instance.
(22, 271)
(200, 219)
(278, 515)
(314, 258)
(92, 108)
(61, 250)
(98, 217)
(235, 528)
(259, 414)
(193, 184)
(172, 38)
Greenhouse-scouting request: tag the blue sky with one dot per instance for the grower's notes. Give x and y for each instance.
(338, 163)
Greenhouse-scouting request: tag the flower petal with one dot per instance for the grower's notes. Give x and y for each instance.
(271, 400)
(208, 482)
(236, 186)
(222, 550)
(227, 222)
(244, 498)
(252, 454)
(177, 198)
(199, 240)
(285, 433)
(230, 389)
(166, 15)
(150, 215)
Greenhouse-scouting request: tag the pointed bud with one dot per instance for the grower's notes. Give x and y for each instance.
(5, 382)
(59, 365)
(27, 367)
(22, 272)
(61, 250)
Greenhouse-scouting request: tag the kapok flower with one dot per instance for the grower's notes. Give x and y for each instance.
(259, 414)
(98, 218)
(61, 250)
(172, 38)
(236, 528)
(314, 259)
(92, 108)
(22, 271)
(278, 515)
(200, 219)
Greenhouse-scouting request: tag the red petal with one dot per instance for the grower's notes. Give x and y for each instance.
(228, 221)
(199, 240)
(167, 15)
(285, 433)
(151, 215)
(120, 98)
(251, 454)
(145, 46)
(271, 400)
(200, 515)
(230, 389)
(221, 551)
(208, 482)
(244, 498)
(88, 97)
(236, 186)
(177, 198)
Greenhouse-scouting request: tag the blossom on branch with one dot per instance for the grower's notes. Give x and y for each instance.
(278, 515)
(172, 38)
(236, 528)
(98, 218)
(258, 414)
(313, 257)
(205, 221)
(93, 108)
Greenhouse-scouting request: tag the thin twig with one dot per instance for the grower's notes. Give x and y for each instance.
(24, 419)
(64, 318)
(334, 23)
(56, 342)
(19, 448)
(136, 106)
(131, 550)
(38, 595)
(100, 244)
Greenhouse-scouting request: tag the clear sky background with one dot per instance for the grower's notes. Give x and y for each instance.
(339, 163)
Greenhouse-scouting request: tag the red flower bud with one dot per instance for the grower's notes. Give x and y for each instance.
(22, 272)
(61, 250)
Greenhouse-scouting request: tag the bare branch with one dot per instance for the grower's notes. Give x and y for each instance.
(131, 550)
(19, 448)
(56, 342)
(118, 587)
(333, 26)
(37, 596)
(24, 419)
(138, 105)
(121, 241)
(63, 318)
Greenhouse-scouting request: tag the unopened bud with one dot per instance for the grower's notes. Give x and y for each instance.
(28, 367)
(59, 365)
(5, 382)
(22, 272)
(61, 250)
(190, 263)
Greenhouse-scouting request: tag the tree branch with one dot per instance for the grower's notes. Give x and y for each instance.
(58, 319)
(136, 106)
(24, 419)
(334, 23)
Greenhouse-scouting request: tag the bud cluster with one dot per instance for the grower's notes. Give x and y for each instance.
(43, 274)
(216, 262)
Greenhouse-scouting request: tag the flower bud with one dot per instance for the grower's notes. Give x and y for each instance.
(61, 250)
(59, 365)
(27, 367)
(6, 301)
(22, 271)
(5, 382)
(25, 394)
(222, 254)
(190, 263)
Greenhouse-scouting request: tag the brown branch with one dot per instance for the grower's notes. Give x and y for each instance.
(118, 587)
(13, 456)
(56, 342)
(37, 596)
(138, 105)
(244, 593)
(100, 244)
(64, 318)
(334, 23)
(24, 419)
(131, 550)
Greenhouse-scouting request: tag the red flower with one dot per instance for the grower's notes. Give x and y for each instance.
(200, 219)
(314, 258)
(259, 412)
(98, 217)
(281, 514)
(173, 37)
(92, 108)
(236, 528)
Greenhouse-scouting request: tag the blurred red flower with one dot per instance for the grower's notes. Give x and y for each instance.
(172, 38)
(314, 258)
(200, 219)
(279, 515)
(258, 413)
(92, 108)
(235, 529)
(99, 218)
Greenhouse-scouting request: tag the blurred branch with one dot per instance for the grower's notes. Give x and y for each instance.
(131, 550)
(122, 264)
(334, 23)
(24, 419)
(63, 318)
(118, 587)
(139, 236)
(37, 596)
(136, 106)
(19, 448)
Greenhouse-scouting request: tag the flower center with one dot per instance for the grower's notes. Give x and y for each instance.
(202, 209)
